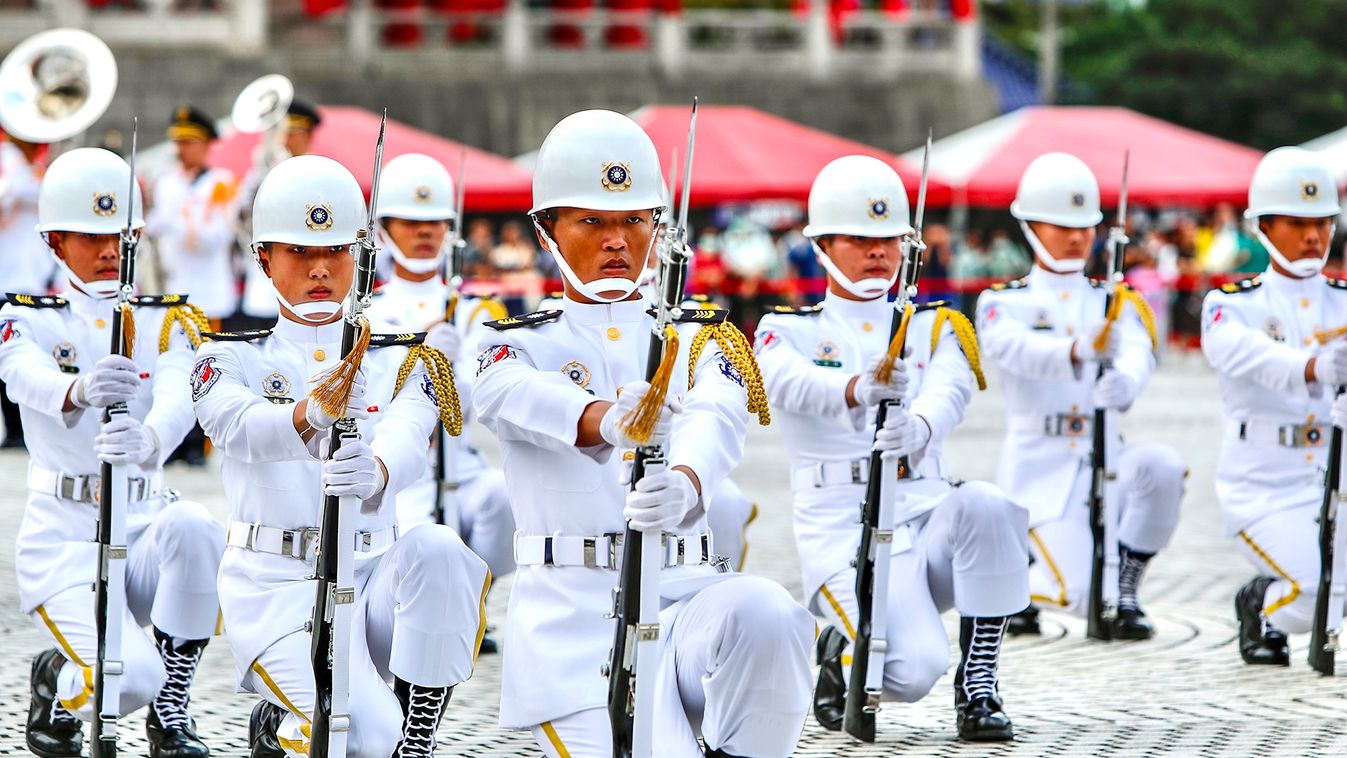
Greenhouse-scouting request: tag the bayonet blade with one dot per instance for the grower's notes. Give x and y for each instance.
(374, 182)
(687, 173)
(920, 215)
(1122, 193)
(131, 189)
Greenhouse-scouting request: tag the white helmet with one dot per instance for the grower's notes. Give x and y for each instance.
(1058, 189)
(858, 195)
(308, 200)
(83, 191)
(416, 187)
(1292, 181)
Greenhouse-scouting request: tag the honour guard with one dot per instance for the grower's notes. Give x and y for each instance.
(1043, 332)
(1262, 335)
(419, 598)
(54, 356)
(954, 545)
(554, 386)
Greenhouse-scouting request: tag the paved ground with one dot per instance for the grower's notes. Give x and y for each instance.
(1184, 693)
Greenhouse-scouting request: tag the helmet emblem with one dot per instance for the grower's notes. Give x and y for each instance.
(423, 193)
(1309, 190)
(879, 208)
(1078, 200)
(616, 176)
(105, 203)
(319, 218)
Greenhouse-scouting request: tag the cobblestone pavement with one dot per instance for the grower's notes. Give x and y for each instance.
(1184, 693)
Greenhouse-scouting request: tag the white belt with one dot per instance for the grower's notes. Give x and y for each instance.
(1052, 424)
(605, 551)
(1265, 432)
(298, 543)
(82, 488)
(830, 472)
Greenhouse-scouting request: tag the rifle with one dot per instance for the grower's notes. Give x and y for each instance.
(866, 684)
(454, 279)
(636, 599)
(110, 590)
(1104, 555)
(1328, 603)
(330, 626)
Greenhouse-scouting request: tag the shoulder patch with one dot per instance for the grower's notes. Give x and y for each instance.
(1253, 283)
(36, 301)
(245, 336)
(933, 305)
(393, 340)
(528, 319)
(159, 301)
(1337, 283)
(698, 315)
(804, 310)
(1013, 284)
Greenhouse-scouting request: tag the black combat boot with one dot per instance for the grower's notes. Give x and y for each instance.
(977, 698)
(1259, 641)
(422, 709)
(169, 728)
(830, 694)
(1130, 622)
(262, 725)
(52, 731)
(1024, 622)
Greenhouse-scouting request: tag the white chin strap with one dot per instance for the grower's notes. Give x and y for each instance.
(866, 289)
(1303, 268)
(414, 265)
(1055, 265)
(313, 311)
(592, 290)
(101, 289)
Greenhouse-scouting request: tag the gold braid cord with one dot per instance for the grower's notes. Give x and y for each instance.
(967, 336)
(441, 372)
(885, 369)
(128, 329)
(639, 423)
(1143, 310)
(739, 353)
(334, 386)
(193, 321)
(493, 308)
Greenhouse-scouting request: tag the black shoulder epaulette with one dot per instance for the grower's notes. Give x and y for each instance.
(1104, 284)
(1245, 285)
(159, 301)
(1338, 283)
(1013, 284)
(36, 301)
(244, 336)
(393, 340)
(528, 319)
(804, 310)
(934, 304)
(698, 315)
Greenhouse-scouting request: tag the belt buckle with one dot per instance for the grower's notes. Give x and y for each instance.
(288, 539)
(65, 487)
(615, 540)
(856, 477)
(1307, 435)
(366, 541)
(591, 548)
(1072, 425)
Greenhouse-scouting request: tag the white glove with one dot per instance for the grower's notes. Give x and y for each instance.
(1115, 390)
(903, 434)
(126, 442)
(446, 338)
(869, 392)
(1330, 366)
(660, 501)
(355, 407)
(1339, 411)
(352, 470)
(627, 400)
(115, 379)
(1084, 345)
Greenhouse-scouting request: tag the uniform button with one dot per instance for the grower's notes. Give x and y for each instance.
(1070, 331)
(320, 354)
(1309, 457)
(867, 326)
(1304, 302)
(630, 455)
(1066, 295)
(1308, 341)
(100, 323)
(614, 333)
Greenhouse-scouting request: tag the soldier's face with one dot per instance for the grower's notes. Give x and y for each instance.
(602, 244)
(92, 257)
(417, 239)
(309, 274)
(864, 257)
(1298, 238)
(1064, 242)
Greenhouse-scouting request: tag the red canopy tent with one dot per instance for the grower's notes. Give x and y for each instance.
(745, 154)
(1169, 164)
(348, 135)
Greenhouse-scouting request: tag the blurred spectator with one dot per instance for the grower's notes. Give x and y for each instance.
(938, 264)
(1008, 259)
(751, 257)
(514, 259)
(475, 256)
(971, 259)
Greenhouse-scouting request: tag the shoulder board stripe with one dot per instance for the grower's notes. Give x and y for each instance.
(1013, 284)
(393, 340)
(1246, 285)
(1338, 283)
(697, 315)
(804, 310)
(528, 319)
(36, 301)
(245, 336)
(933, 305)
(160, 301)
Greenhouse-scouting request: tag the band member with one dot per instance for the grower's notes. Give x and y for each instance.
(55, 358)
(27, 265)
(1042, 332)
(734, 667)
(419, 613)
(955, 546)
(1278, 382)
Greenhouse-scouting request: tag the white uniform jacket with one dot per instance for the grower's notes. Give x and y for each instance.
(24, 258)
(192, 223)
(244, 387)
(1027, 327)
(46, 344)
(536, 376)
(1259, 334)
(808, 356)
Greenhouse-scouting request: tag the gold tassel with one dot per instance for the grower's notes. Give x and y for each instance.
(1144, 312)
(441, 373)
(739, 353)
(493, 308)
(451, 309)
(639, 423)
(193, 321)
(885, 370)
(967, 337)
(1323, 337)
(334, 385)
(1114, 311)
(128, 329)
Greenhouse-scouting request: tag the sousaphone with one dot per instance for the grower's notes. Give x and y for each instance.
(55, 85)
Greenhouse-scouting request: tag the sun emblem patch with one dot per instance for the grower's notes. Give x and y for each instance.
(204, 376)
(1309, 190)
(576, 372)
(828, 354)
(276, 385)
(616, 176)
(879, 208)
(1078, 200)
(319, 218)
(423, 193)
(105, 203)
(64, 354)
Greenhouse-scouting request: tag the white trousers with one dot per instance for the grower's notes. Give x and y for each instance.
(420, 614)
(479, 512)
(728, 518)
(1150, 486)
(1285, 545)
(170, 583)
(741, 652)
(970, 554)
